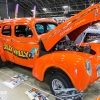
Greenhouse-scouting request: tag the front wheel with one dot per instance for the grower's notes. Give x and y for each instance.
(62, 88)
(59, 81)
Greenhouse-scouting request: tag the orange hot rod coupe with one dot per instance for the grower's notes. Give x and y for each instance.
(41, 44)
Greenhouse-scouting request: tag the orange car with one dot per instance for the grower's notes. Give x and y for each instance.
(41, 44)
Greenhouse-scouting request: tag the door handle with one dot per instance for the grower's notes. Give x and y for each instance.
(3, 39)
(12, 40)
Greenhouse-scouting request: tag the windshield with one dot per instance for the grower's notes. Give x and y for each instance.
(44, 27)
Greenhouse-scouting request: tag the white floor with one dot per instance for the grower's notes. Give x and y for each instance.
(18, 93)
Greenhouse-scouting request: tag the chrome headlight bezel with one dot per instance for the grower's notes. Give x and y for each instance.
(88, 67)
(98, 70)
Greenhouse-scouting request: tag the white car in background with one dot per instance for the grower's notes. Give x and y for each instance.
(92, 34)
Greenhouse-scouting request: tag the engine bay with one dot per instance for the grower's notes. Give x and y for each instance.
(69, 45)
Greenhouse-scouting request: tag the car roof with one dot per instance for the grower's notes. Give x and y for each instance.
(28, 19)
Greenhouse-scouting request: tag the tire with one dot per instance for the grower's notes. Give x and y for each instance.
(1, 62)
(65, 81)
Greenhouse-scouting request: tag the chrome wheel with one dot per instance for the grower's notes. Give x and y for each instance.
(57, 84)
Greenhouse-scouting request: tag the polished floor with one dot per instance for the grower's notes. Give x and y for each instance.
(18, 93)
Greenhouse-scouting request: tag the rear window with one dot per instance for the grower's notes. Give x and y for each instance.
(6, 30)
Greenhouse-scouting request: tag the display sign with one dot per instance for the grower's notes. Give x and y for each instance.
(16, 10)
(15, 80)
(35, 94)
(34, 11)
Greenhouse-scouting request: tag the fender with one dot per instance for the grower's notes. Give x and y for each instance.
(94, 63)
(2, 55)
(72, 64)
(94, 46)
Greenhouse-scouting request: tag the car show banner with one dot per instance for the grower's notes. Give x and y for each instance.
(16, 10)
(35, 94)
(15, 80)
(34, 11)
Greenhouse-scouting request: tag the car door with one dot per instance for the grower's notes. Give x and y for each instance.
(26, 47)
(6, 39)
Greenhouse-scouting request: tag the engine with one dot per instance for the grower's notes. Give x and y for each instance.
(70, 46)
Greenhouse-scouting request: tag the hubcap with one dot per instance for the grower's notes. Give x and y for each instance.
(57, 84)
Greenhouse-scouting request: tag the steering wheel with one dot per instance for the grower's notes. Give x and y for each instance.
(21, 35)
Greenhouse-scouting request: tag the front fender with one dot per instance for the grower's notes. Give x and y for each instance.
(94, 46)
(72, 64)
(94, 57)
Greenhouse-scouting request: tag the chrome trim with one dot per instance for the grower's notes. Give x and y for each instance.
(24, 42)
(95, 41)
(28, 43)
(5, 39)
(98, 70)
(69, 94)
(14, 41)
(88, 67)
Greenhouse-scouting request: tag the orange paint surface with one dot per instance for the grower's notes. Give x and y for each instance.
(98, 98)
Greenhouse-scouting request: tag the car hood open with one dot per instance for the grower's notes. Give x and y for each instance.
(72, 27)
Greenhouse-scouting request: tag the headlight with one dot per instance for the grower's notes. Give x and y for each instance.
(88, 67)
(98, 70)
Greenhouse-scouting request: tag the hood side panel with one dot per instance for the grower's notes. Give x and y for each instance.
(74, 34)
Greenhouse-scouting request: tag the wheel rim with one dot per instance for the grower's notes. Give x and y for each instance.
(57, 84)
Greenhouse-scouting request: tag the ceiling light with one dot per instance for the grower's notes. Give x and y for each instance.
(45, 9)
(65, 7)
(32, 10)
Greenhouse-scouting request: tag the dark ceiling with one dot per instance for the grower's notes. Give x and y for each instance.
(54, 7)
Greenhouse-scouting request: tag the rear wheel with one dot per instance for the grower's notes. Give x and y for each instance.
(1, 62)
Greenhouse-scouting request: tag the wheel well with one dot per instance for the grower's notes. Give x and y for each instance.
(50, 71)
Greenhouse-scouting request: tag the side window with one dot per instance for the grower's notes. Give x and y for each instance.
(23, 31)
(39, 28)
(6, 30)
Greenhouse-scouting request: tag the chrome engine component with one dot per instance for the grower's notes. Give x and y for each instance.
(68, 94)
